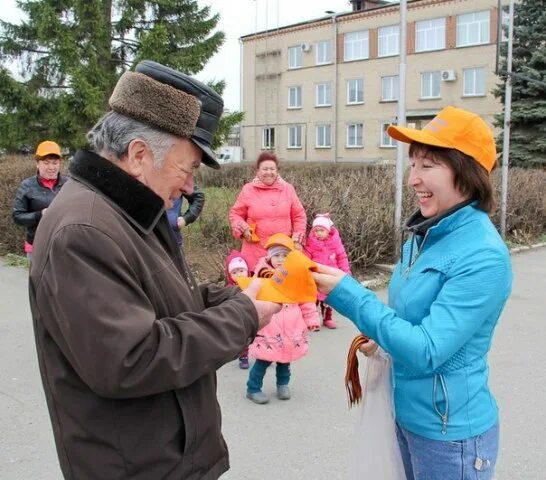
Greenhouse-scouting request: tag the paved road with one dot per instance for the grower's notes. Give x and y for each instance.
(308, 436)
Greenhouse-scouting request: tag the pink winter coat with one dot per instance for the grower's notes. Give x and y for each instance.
(274, 209)
(284, 339)
(329, 251)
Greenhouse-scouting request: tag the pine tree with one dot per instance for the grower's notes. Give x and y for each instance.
(71, 52)
(528, 115)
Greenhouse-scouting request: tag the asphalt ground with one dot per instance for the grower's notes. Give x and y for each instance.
(310, 435)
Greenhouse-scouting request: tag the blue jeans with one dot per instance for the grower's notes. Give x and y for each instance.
(470, 459)
(257, 373)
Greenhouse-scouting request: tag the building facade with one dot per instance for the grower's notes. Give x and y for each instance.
(326, 89)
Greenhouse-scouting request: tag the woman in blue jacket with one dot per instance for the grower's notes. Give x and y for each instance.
(445, 298)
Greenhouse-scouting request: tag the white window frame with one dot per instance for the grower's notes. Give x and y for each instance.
(268, 138)
(355, 127)
(386, 141)
(357, 101)
(297, 89)
(323, 94)
(477, 20)
(394, 87)
(430, 35)
(356, 45)
(326, 135)
(295, 57)
(294, 137)
(473, 73)
(323, 52)
(505, 22)
(388, 41)
(427, 79)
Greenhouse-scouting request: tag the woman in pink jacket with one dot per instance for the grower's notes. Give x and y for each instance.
(265, 206)
(284, 339)
(324, 246)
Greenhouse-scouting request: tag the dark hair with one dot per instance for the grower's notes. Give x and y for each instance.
(264, 156)
(470, 178)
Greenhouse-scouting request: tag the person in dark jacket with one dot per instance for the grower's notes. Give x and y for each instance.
(36, 193)
(128, 343)
(177, 219)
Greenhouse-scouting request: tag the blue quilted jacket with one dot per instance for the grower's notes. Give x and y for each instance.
(445, 298)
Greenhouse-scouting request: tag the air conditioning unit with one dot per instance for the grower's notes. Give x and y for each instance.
(306, 47)
(448, 75)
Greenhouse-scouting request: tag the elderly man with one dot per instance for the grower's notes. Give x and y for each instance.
(128, 344)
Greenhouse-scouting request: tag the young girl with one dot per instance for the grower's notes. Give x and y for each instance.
(324, 246)
(284, 339)
(236, 266)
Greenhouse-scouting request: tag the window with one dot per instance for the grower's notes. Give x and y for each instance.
(356, 46)
(473, 29)
(388, 41)
(324, 52)
(294, 97)
(505, 24)
(389, 88)
(386, 140)
(430, 85)
(473, 82)
(323, 139)
(268, 138)
(355, 91)
(354, 135)
(294, 136)
(430, 35)
(324, 95)
(294, 57)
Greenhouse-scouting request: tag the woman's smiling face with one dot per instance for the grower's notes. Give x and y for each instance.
(433, 182)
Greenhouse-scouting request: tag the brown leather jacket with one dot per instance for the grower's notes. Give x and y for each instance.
(128, 344)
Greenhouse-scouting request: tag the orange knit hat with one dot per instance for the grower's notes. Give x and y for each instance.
(454, 128)
(292, 282)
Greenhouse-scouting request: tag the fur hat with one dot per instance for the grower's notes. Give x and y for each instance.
(237, 262)
(172, 102)
(323, 220)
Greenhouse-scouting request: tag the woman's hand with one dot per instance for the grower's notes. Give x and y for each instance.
(327, 278)
(181, 222)
(369, 348)
(247, 235)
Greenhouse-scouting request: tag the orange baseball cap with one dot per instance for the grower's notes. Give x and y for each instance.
(454, 128)
(292, 282)
(280, 239)
(48, 148)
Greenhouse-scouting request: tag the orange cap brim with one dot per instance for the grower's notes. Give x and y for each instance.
(267, 291)
(408, 135)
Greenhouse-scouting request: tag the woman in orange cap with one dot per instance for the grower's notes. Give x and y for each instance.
(36, 193)
(445, 298)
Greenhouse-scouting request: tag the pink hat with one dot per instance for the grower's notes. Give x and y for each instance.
(323, 220)
(237, 262)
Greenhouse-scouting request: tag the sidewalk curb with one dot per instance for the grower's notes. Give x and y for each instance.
(380, 282)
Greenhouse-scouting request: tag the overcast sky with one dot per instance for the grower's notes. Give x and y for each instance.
(237, 18)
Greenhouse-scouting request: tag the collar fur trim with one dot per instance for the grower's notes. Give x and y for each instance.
(140, 204)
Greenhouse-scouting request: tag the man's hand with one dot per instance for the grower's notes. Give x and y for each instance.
(327, 278)
(265, 309)
(181, 222)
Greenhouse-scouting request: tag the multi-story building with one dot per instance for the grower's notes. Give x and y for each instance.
(326, 89)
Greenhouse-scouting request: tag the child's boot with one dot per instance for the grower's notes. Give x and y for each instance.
(243, 362)
(329, 322)
(258, 397)
(283, 392)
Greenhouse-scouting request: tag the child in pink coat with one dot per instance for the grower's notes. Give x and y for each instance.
(284, 339)
(324, 246)
(236, 266)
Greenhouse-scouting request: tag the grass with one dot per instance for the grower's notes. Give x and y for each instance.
(12, 260)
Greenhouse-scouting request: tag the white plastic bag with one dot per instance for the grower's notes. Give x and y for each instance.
(376, 454)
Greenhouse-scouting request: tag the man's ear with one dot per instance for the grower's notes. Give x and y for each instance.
(133, 161)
